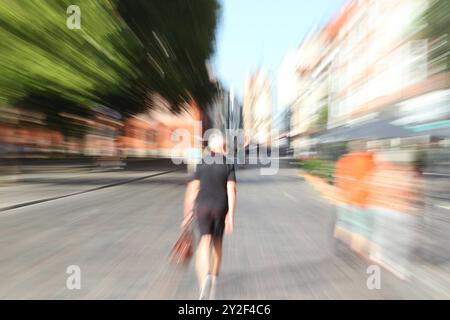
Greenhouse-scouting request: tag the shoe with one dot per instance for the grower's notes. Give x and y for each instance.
(212, 292)
(206, 288)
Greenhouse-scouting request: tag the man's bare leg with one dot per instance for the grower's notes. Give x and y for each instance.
(216, 259)
(203, 259)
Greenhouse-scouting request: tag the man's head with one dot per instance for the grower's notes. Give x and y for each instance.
(216, 143)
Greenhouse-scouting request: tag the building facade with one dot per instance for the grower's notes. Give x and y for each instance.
(257, 109)
(369, 62)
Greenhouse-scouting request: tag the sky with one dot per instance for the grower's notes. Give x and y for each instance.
(258, 33)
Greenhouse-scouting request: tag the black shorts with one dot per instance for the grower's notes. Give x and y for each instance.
(211, 221)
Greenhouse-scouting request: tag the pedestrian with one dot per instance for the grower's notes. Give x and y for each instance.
(210, 200)
(354, 221)
(396, 200)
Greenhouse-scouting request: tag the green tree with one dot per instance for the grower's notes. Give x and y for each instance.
(320, 123)
(179, 38)
(436, 22)
(124, 50)
(38, 53)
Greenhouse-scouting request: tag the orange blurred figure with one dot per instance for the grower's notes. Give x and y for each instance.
(351, 173)
(354, 221)
(395, 200)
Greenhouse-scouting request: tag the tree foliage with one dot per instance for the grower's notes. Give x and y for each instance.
(123, 51)
(178, 37)
(436, 20)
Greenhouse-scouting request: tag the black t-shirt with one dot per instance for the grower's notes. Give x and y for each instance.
(213, 178)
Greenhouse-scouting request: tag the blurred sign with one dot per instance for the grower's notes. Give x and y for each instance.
(425, 108)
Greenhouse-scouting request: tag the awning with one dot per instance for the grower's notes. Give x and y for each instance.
(436, 129)
(376, 129)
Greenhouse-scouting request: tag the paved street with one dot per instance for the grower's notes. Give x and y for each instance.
(42, 184)
(121, 236)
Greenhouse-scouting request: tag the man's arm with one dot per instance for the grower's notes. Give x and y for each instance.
(231, 193)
